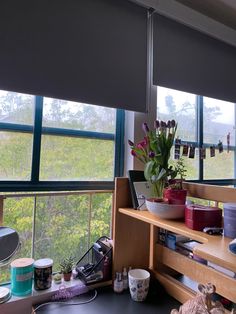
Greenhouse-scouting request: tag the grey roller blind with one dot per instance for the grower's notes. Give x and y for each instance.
(92, 51)
(187, 60)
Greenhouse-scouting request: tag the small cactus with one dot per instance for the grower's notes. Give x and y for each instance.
(67, 264)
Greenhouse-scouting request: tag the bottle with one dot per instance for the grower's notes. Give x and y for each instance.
(106, 269)
(128, 274)
(118, 283)
(125, 278)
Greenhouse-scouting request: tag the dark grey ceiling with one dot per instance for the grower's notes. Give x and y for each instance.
(223, 11)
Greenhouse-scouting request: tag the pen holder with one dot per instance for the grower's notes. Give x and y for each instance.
(95, 264)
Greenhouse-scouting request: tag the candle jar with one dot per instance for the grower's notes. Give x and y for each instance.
(43, 274)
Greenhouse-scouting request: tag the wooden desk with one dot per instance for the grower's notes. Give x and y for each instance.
(135, 243)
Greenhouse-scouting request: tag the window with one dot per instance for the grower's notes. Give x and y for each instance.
(57, 224)
(16, 108)
(77, 116)
(87, 158)
(45, 140)
(179, 106)
(202, 123)
(15, 155)
(57, 146)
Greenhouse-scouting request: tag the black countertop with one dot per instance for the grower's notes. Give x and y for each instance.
(107, 302)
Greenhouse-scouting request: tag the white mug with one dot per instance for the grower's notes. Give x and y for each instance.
(139, 284)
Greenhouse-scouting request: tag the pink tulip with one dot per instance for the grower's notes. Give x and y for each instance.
(142, 144)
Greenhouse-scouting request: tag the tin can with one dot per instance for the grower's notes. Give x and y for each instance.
(230, 220)
(43, 273)
(21, 276)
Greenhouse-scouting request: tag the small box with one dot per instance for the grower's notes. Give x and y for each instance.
(173, 238)
(197, 217)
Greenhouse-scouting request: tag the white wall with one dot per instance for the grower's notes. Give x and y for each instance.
(134, 132)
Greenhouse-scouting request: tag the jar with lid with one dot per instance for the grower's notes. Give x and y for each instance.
(21, 276)
(43, 273)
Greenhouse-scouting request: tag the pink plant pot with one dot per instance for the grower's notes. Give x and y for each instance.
(177, 197)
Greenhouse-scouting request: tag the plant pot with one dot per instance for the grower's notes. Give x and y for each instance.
(67, 276)
(57, 278)
(175, 196)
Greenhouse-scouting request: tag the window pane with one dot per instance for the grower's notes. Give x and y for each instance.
(63, 225)
(16, 108)
(191, 165)
(18, 214)
(67, 114)
(181, 106)
(219, 167)
(192, 168)
(101, 216)
(219, 120)
(67, 158)
(15, 156)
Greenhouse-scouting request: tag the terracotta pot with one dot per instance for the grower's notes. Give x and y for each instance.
(177, 197)
(67, 276)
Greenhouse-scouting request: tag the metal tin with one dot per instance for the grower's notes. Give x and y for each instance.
(43, 273)
(197, 217)
(21, 276)
(230, 220)
(5, 294)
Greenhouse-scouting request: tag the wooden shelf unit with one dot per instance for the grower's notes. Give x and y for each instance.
(135, 244)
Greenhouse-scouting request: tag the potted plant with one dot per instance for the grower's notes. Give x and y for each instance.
(66, 266)
(154, 152)
(57, 278)
(175, 193)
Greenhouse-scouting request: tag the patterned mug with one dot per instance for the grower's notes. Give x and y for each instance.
(139, 284)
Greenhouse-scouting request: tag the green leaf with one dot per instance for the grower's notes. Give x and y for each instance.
(148, 170)
(160, 174)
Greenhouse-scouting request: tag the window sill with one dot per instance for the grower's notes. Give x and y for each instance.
(23, 305)
(47, 293)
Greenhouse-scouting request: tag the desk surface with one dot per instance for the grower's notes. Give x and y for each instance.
(108, 302)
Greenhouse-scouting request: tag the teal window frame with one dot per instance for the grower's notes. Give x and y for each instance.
(200, 143)
(37, 130)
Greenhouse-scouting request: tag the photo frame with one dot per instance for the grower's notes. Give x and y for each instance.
(140, 189)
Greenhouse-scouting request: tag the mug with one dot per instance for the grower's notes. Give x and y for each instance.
(139, 284)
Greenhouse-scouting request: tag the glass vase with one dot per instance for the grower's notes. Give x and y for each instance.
(157, 188)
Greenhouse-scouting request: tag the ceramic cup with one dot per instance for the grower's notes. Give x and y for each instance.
(139, 284)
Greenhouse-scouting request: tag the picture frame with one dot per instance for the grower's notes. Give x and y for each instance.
(140, 189)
